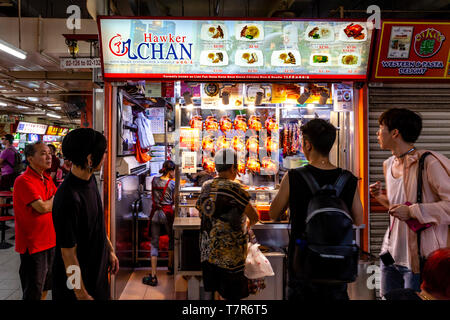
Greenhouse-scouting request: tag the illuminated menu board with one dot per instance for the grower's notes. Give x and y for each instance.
(27, 127)
(57, 131)
(233, 49)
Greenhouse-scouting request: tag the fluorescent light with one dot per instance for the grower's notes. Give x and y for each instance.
(310, 106)
(34, 99)
(2, 104)
(53, 104)
(9, 48)
(57, 108)
(53, 115)
(22, 107)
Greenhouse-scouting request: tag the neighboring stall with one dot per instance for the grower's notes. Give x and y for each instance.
(411, 69)
(27, 132)
(245, 84)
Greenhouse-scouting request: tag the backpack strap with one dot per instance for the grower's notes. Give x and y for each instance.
(310, 181)
(341, 182)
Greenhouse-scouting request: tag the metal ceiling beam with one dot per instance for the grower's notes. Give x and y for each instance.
(48, 94)
(45, 75)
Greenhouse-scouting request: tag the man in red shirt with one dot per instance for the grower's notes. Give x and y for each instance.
(33, 197)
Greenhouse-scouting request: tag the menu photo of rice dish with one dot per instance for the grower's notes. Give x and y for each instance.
(213, 58)
(349, 60)
(249, 58)
(286, 58)
(249, 32)
(214, 32)
(319, 33)
(320, 59)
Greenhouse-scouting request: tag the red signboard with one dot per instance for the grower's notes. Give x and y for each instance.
(413, 50)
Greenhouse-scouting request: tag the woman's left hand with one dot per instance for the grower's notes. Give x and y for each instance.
(401, 212)
(113, 263)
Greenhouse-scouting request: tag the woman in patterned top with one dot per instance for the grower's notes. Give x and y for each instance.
(224, 208)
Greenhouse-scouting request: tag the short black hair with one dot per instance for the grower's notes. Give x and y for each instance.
(225, 159)
(10, 138)
(30, 149)
(407, 122)
(321, 134)
(79, 143)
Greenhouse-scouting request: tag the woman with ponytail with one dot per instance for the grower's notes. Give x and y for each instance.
(161, 217)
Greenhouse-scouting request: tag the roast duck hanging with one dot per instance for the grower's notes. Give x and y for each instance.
(238, 143)
(226, 124)
(211, 123)
(253, 144)
(240, 123)
(222, 143)
(208, 144)
(269, 165)
(271, 124)
(208, 164)
(253, 165)
(196, 122)
(254, 123)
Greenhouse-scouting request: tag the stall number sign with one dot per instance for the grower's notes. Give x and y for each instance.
(27, 127)
(80, 63)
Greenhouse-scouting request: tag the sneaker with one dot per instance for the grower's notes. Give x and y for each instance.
(153, 282)
(150, 281)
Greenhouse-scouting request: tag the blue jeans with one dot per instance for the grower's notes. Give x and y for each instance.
(398, 277)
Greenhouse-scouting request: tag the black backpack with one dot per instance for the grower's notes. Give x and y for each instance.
(326, 252)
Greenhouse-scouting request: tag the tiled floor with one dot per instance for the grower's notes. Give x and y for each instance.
(136, 290)
(10, 288)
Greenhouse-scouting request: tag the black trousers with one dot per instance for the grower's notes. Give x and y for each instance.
(36, 273)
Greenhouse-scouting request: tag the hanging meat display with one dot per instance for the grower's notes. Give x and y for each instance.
(253, 144)
(241, 166)
(208, 144)
(269, 165)
(271, 124)
(253, 165)
(254, 123)
(291, 139)
(196, 122)
(238, 143)
(226, 124)
(271, 145)
(208, 164)
(240, 123)
(211, 123)
(222, 143)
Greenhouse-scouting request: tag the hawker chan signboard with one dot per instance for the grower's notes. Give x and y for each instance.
(413, 50)
(234, 49)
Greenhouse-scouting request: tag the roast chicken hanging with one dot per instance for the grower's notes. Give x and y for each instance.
(240, 123)
(238, 143)
(222, 143)
(226, 124)
(254, 123)
(271, 145)
(211, 123)
(253, 144)
(208, 164)
(241, 166)
(196, 122)
(269, 165)
(208, 144)
(271, 124)
(253, 165)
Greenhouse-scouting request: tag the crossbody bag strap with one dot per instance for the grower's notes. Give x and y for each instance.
(420, 193)
(341, 181)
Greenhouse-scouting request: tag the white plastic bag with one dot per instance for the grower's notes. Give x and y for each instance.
(256, 265)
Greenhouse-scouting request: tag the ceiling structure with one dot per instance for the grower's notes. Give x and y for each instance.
(40, 84)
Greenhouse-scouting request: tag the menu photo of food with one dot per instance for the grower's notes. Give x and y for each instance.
(353, 32)
(320, 59)
(249, 32)
(214, 32)
(319, 33)
(213, 58)
(286, 58)
(249, 58)
(349, 60)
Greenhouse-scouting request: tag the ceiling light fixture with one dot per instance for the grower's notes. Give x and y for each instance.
(9, 48)
(52, 115)
(22, 107)
(34, 99)
(2, 104)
